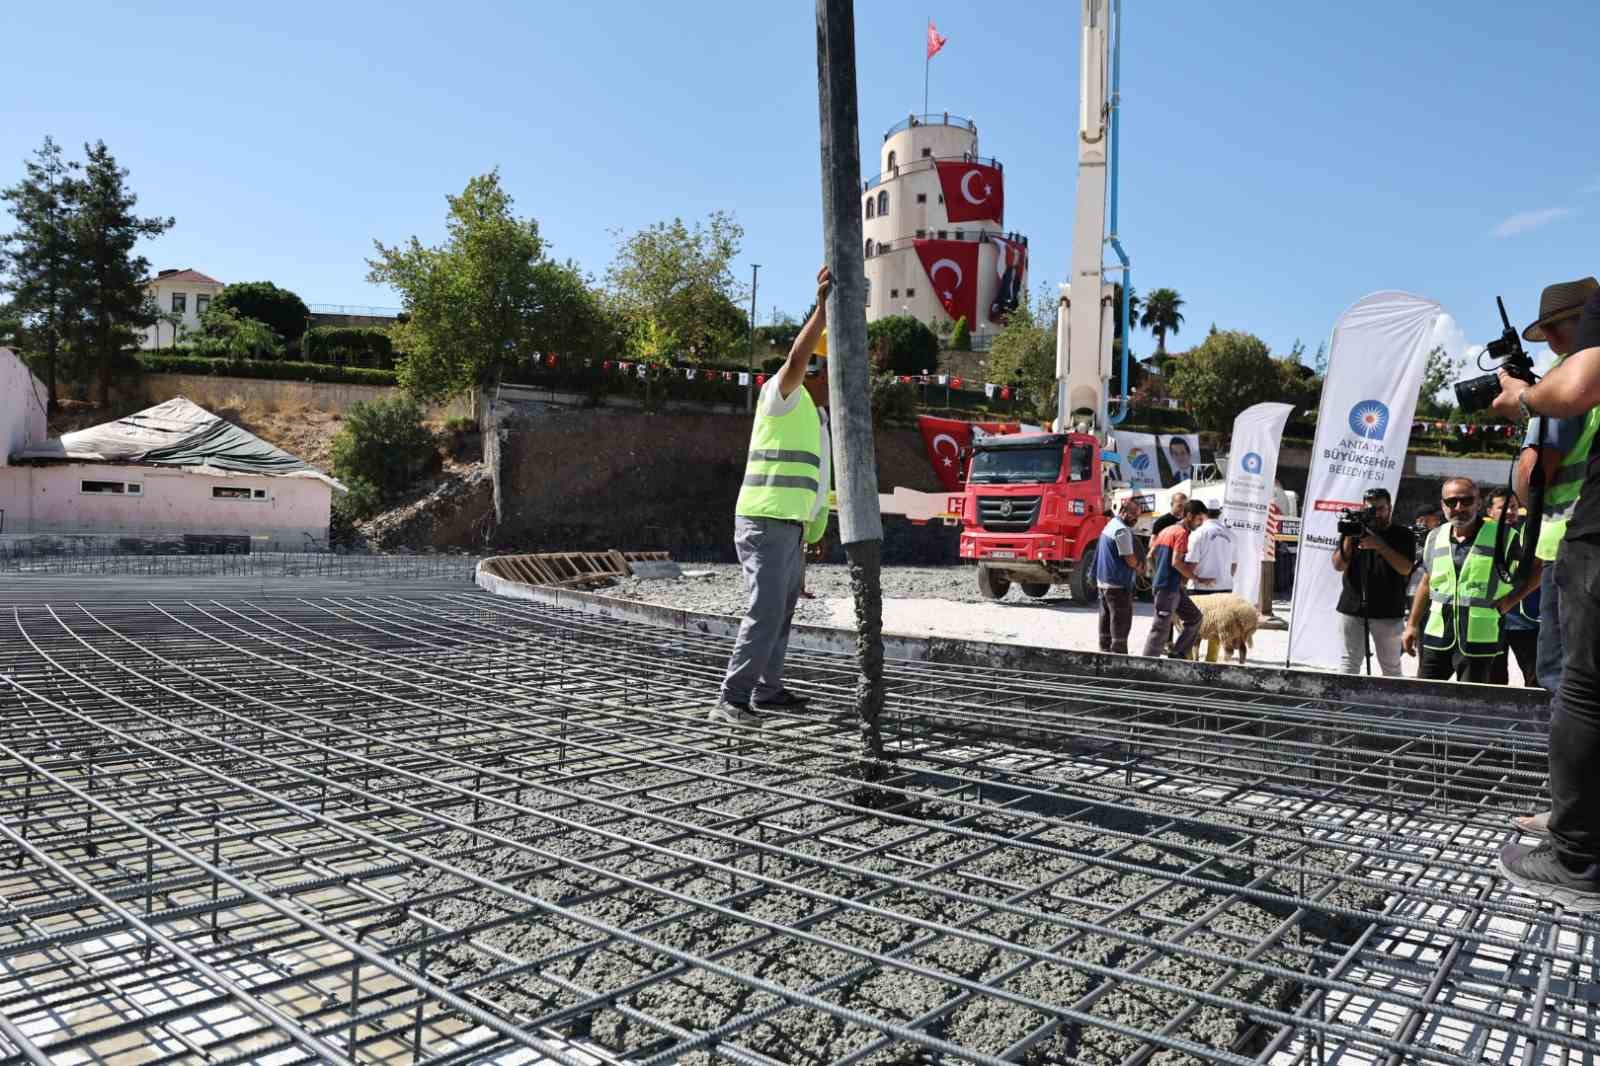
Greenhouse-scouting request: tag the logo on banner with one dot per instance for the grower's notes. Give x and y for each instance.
(1139, 460)
(1251, 463)
(1369, 418)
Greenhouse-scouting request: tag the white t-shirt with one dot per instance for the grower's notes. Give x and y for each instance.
(1211, 554)
(774, 404)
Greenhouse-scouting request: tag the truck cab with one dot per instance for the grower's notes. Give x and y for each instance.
(1032, 513)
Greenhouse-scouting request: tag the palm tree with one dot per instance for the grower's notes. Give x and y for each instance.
(1161, 315)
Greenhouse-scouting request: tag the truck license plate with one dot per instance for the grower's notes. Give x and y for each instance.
(1002, 555)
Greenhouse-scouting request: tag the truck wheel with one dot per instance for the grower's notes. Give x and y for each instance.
(1082, 582)
(1037, 589)
(994, 584)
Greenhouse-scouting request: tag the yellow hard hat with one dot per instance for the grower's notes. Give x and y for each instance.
(822, 345)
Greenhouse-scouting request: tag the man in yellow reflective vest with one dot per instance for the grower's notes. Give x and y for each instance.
(1462, 636)
(782, 507)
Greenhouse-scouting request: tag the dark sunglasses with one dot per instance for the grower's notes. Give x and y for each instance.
(1460, 501)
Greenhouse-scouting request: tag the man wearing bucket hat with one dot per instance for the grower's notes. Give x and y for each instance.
(1566, 867)
(782, 506)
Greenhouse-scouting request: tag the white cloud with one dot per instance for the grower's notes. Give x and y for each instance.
(1527, 221)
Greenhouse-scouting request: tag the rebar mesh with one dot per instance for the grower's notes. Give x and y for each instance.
(414, 825)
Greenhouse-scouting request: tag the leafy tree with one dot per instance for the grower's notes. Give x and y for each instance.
(961, 336)
(1027, 345)
(1228, 372)
(1437, 374)
(683, 279)
(1161, 315)
(40, 261)
(385, 445)
(775, 340)
(1298, 385)
(282, 311)
(484, 299)
(110, 278)
(902, 344)
(226, 334)
(1319, 362)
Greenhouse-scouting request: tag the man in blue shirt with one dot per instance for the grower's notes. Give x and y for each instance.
(1116, 568)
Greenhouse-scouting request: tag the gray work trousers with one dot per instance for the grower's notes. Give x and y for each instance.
(1173, 604)
(1386, 636)
(772, 553)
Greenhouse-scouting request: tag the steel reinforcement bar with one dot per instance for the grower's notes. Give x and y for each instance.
(439, 827)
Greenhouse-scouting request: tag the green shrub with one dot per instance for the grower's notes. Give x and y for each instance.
(261, 368)
(463, 424)
(961, 336)
(226, 334)
(892, 401)
(357, 505)
(901, 344)
(385, 444)
(341, 345)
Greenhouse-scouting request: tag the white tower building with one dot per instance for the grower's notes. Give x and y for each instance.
(905, 203)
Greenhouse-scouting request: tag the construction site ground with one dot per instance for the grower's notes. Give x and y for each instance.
(358, 810)
(944, 601)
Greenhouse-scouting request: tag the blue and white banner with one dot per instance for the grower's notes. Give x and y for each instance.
(1252, 470)
(1375, 366)
(1152, 462)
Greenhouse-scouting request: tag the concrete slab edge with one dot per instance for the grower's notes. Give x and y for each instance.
(1403, 693)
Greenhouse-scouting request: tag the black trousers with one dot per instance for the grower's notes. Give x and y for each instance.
(1116, 618)
(1575, 723)
(1523, 643)
(1451, 665)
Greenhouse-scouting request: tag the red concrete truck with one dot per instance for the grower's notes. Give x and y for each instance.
(1032, 512)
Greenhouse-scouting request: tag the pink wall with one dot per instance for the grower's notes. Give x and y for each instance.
(48, 499)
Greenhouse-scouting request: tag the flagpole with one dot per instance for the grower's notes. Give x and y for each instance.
(927, 61)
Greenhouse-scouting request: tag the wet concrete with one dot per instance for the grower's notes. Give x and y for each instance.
(1044, 882)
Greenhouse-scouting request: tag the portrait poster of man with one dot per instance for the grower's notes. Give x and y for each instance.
(1177, 455)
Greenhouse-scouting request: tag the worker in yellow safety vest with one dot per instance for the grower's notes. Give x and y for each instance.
(1462, 636)
(782, 506)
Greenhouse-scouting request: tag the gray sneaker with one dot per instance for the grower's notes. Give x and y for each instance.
(734, 714)
(1539, 871)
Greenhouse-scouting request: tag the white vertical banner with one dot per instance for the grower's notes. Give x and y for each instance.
(1375, 364)
(1252, 466)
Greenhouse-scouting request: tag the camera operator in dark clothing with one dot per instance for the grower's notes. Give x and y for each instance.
(1566, 868)
(1467, 596)
(1375, 566)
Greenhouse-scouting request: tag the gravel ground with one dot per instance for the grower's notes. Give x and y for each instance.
(929, 601)
(944, 601)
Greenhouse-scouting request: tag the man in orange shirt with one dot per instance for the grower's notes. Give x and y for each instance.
(1169, 571)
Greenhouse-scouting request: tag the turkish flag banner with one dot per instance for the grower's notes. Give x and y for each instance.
(949, 444)
(936, 40)
(972, 192)
(952, 269)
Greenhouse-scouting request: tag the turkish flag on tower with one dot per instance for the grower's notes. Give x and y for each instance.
(935, 39)
(952, 269)
(972, 192)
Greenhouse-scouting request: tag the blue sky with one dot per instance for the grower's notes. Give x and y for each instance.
(1279, 161)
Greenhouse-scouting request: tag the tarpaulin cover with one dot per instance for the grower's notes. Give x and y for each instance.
(176, 433)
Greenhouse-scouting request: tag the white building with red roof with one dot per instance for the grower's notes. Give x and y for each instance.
(184, 294)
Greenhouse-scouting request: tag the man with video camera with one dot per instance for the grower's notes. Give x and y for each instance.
(1375, 556)
(1566, 868)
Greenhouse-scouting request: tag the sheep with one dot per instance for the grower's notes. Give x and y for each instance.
(1228, 621)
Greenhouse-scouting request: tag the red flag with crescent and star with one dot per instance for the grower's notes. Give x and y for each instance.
(949, 444)
(973, 192)
(936, 40)
(952, 269)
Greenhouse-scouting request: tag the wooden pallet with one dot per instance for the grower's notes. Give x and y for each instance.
(580, 570)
